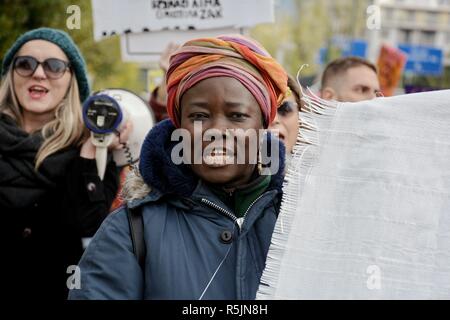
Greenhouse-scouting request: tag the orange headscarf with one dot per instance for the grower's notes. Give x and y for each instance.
(231, 56)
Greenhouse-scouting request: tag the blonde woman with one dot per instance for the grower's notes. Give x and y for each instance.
(50, 193)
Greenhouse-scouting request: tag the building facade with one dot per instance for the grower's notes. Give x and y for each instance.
(414, 22)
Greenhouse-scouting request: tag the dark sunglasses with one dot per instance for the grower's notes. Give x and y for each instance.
(53, 68)
(286, 108)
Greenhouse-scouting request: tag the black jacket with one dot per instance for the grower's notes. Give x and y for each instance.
(42, 238)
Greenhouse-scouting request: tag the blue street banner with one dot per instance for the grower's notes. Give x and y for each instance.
(423, 60)
(355, 48)
(346, 46)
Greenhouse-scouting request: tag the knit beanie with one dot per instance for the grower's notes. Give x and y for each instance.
(63, 41)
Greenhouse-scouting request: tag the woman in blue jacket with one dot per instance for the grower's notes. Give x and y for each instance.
(207, 224)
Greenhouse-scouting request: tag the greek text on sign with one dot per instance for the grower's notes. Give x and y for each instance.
(199, 9)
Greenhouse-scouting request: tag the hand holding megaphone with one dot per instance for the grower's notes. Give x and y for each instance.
(118, 121)
(101, 143)
(109, 142)
(102, 115)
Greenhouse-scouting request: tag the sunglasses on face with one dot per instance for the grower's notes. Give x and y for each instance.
(53, 68)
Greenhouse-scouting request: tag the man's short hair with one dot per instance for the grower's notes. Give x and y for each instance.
(341, 65)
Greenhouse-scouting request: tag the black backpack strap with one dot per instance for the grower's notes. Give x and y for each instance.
(137, 234)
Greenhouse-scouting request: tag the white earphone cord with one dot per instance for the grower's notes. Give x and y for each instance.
(218, 268)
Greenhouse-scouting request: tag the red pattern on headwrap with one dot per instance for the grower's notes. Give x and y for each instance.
(233, 56)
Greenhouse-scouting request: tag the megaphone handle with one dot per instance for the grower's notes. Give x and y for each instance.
(101, 156)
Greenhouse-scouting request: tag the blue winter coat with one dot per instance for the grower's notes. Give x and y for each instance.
(184, 223)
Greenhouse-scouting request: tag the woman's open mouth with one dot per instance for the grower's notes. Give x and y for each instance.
(219, 158)
(37, 92)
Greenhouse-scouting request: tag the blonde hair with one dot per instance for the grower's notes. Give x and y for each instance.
(65, 130)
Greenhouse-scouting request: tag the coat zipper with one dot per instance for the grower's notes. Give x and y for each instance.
(222, 210)
(238, 221)
(250, 206)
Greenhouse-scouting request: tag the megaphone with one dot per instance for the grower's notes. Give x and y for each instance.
(105, 112)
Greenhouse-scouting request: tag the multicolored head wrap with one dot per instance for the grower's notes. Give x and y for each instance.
(226, 56)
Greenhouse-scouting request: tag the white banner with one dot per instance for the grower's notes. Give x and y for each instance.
(366, 204)
(137, 16)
